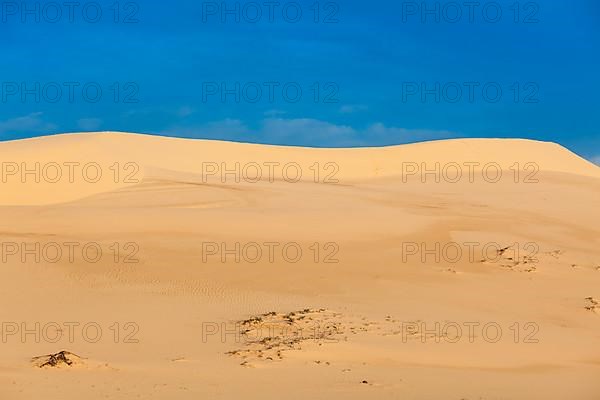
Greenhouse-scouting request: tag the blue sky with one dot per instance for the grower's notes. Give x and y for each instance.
(352, 74)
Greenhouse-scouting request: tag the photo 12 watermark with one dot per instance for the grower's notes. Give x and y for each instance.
(69, 332)
(470, 172)
(270, 171)
(71, 172)
(471, 332)
(470, 12)
(261, 332)
(468, 252)
(270, 92)
(69, 12)
(270, 252)
(470, 92)
(255, 12)
(70, 252)
(69, 92)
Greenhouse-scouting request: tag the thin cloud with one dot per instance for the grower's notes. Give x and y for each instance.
(307, 132)
(227, 129)
(304, 131)
(313, 132)
(185, 111)
(353, 108)
(29, 124)
(89, 124)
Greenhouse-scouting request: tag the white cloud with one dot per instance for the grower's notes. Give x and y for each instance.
(312, 132)
(306, 132)
(378, 132)
(89, 124)
(227, 129)
(185, 111)
(28, 124)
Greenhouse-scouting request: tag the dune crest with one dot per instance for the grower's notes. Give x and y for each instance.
(63, 168)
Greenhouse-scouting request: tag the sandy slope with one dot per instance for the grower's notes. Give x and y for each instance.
(361, 327)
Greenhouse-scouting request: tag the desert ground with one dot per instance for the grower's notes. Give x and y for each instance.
(137, 266)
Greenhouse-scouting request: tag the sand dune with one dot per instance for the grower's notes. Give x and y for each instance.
(177, 268)
(125, 159)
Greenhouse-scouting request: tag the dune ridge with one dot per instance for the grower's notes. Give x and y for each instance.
(145, 157)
